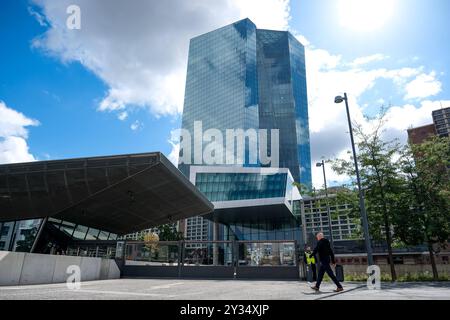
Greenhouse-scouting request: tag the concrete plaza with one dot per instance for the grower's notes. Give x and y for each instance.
(182, 289)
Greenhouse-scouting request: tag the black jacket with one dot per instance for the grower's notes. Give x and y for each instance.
(323, 248)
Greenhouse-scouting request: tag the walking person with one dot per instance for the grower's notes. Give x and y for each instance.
(326, 256)
(310, 261)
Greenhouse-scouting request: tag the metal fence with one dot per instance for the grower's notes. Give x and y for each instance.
(211, 253)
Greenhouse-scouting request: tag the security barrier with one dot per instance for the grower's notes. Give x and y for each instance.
(272, 259)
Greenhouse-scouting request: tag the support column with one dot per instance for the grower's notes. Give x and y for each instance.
(12, 238)
(180, 257)
(36, 240)
(215, 238)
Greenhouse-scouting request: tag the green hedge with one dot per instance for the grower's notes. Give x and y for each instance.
(409, 277)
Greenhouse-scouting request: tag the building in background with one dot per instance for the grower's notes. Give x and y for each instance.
(241, 77)
(440, 127)
(138, 235)
(420, 134)
(441, 119)
(315, 215)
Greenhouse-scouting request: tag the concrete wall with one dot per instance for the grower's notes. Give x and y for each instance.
(18, 268)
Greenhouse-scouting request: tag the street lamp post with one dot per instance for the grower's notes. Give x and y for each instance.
(330, 229)
(362, 207)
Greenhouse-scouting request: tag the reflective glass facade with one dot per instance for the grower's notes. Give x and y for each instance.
(246, 184)
(18, 235)
(221, 84)
(240, 77)
(241, 186)
(273, 229)
(57, 237)
(283, 102)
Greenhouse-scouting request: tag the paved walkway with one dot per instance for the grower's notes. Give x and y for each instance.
(182, 289)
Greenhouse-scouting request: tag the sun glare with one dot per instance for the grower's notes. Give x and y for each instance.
(365, 15)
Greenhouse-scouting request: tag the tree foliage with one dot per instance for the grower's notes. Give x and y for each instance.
(425, 201)
(168, 232)
(407, 189)
(379, 179)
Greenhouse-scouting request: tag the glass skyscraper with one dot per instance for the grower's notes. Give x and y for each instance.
(241, 77)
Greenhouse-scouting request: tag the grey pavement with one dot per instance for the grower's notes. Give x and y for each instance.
(183, 289)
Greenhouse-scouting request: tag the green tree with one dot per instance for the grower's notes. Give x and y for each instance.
(425, 201)
(380, 180)
(168, 232)
(303, 188)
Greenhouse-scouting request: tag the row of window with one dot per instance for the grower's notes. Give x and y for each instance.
(80, 232)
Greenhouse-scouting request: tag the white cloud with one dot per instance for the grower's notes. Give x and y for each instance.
(369, 59)
(423, 86)
(327, 76)
(123, 116)
(400, 118)
(137, 125)
(332, 177)
(140, 50)
(39, 17)
(174, 141)
(266, 14)
(14, 135)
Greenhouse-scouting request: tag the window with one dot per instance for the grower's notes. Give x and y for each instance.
(103, 235)
(67, 228)
(112, 236)
(4, 231)
(92, 234)
(80, 232)
(26, 231)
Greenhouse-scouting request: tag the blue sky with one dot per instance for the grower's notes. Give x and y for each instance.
(64, 98)
(116, 85)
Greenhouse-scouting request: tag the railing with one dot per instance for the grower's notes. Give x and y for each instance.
(212, 253)
(162, 253)
(97, 249)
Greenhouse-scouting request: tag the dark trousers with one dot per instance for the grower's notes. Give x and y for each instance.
(313, 268)
(325, 267)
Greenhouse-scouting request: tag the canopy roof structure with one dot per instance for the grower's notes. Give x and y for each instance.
(119, 194)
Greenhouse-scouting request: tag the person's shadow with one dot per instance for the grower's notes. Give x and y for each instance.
(315, 292)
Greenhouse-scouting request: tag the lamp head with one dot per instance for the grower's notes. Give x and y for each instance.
(339, 99)
(318, 164)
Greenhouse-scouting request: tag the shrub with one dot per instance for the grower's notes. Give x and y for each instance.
(409, 277)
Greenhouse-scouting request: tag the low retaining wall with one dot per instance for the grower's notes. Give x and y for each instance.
(18, 268)
(401, 269)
